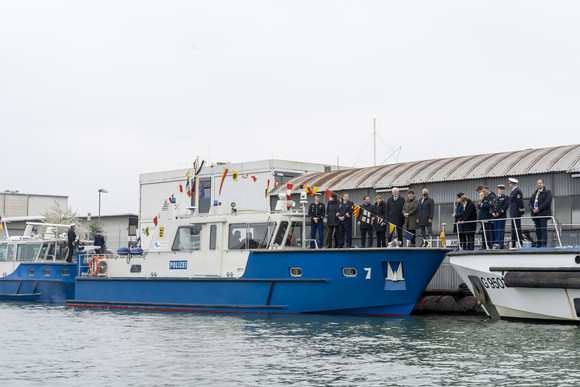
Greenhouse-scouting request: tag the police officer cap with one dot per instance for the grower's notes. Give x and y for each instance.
(512, 180)
(318, 194)
(501, 186)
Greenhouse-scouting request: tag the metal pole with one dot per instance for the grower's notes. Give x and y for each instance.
(375, 140)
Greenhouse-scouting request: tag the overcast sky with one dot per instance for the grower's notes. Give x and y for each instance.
(93, 93)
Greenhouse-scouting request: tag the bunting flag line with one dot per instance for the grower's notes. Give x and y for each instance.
(146, 231)
(391, 229)
(187, 183)
(235, 175)
(155, 221)
(189, 193)
(276, 182)
(328, 192)
(223, 178)
(355, 211)
(314, 190)
(409, 235)
(254, 178)
(267, 188)
(366, 217)
(180, 188)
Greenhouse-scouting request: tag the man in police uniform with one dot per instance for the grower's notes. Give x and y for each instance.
(344, 214)
(517, 209)
(316, 213)
(499, 211)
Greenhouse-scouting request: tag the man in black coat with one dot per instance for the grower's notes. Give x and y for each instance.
(425, 216)
(332, 220)
(467, 219)
(365, 222)
(71, 238)
(395, 215)
(540, 205)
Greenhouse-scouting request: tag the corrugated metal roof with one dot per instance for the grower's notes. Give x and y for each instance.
(517, 163)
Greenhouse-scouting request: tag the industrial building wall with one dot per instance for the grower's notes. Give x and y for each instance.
(17, 204)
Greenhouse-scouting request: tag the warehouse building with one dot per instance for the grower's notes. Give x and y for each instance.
(559, 167)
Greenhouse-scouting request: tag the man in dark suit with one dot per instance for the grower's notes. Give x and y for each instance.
(316, 213)
(467, 219)
(425, 216)
(540, 205)
(366, 226)
(517, 210)
(395, 215)
(100, 242)
(344, 214)
(71, 238)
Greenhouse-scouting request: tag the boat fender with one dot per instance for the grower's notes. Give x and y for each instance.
(94, 266)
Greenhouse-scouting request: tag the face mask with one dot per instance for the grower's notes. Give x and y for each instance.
(425, 195)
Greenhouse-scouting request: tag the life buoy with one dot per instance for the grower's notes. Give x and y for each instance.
(94, 265)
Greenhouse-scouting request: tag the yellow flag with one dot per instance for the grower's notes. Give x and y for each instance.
(391, 228)
(442, 237)
(235, 175)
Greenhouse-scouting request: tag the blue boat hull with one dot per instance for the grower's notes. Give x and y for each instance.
(268, 287)
(39, 282)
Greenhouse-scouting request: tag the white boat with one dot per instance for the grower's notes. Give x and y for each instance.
(524, 283)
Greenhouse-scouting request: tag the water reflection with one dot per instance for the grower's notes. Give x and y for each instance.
(56, 344)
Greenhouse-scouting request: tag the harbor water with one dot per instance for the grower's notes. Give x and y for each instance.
(56, 345)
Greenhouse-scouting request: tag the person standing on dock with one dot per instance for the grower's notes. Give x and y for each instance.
(425, 216)
(484, 214)
(316, 213)
(366, 228)
(517, 210)
(499, 211)
(344, 214)
(541, 206)
(410, 208)
(395, 214)
(71, 237)
(332, 220)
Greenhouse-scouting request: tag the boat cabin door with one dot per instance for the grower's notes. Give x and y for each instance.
(213, 260)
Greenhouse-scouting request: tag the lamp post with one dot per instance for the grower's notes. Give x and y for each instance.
(101, 190)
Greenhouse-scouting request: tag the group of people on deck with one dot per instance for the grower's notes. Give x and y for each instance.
(397, 218)
(492, 210)
(383, 220)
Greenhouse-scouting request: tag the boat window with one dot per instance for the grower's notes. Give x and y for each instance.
(46, 272)
(3, 252)
(212, 236)
(10, 253)
(250, 235)
(135, 268)
(43, 250)
(27, 251)
(295, 235)
(61, 249)
(64, 272)
(30, 271)
(280, 235)
(188, 238)
(296, 271)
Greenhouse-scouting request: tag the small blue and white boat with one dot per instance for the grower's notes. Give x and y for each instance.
(254, 261)
(33, 267)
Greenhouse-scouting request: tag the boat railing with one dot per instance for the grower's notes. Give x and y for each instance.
(485, 228)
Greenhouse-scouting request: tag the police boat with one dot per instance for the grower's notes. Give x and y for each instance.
(252, 261)
(33, 266)
(524, 282)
